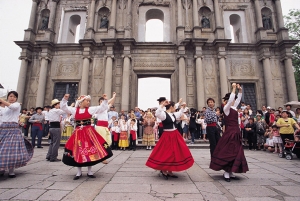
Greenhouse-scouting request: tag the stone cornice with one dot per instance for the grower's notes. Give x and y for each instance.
(87, 43)
(25, 45)
(221, 42)
(45, 45)
(265, 43)
(287, 43)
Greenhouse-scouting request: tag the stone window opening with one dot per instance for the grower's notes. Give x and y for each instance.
(154, 26)
(235, 25)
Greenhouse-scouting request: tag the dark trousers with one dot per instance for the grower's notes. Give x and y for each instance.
(36, 132)
(132, 143)
(198, 131)
(252, 140)
(45, 129)
(192, 132)
(27, 129)
(160, 131)
(55, 142)
(213, 137)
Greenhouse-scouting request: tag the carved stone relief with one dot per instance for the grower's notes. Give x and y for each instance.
(67, 69)
(241, 68)
(154, 62)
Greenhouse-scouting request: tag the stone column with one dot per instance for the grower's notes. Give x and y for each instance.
(91, 14)
(223, 75)
(182, 78)
(195, 13)
(125, 83)
(85, 76)
(268, 82)
(128, 22)
(108, 76)
(290, 79)
(179, 11)
(200, 83)
(217, 13)
(42, 82)
(279, 13)
(258, 14)
(113, 14)
(22, 79)
(52, 14)
(32, 14)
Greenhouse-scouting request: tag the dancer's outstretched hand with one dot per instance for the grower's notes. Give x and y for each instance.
(233, 85)
(104, 96)
(66, 96)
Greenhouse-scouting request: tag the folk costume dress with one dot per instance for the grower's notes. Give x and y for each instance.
(229, 153)
(171, 152)
(15, 151)
(67, 130)
(148, 136)
(85, 147)
(102, 125)
(123, 139)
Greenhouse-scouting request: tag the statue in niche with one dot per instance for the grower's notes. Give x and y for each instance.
(45, 22)
(104, 22)
(267, 23)
(205, 22)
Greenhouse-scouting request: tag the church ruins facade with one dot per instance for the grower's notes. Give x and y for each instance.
(207, 45)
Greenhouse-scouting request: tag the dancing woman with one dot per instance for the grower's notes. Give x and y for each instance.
(15, 151)
(171, 153)
(229, 154)
(85, 147)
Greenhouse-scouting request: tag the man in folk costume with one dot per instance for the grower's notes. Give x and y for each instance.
(102, 121)
(54, 116)
(85, 147)
(229, 154)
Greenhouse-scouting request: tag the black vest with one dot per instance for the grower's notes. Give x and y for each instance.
(168, 122)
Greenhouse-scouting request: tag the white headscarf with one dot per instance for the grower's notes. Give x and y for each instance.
(80, 99)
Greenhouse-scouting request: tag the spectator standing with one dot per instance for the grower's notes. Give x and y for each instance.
(112, 113)
(250, 129)
(260, 130)
(286, 126)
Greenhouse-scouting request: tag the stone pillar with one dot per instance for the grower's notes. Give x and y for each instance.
(217, 13)
(223, 75)
(195, 13)
(113, 14)
(91, 16)
(290, 79)
(85, 76)
(279, 14)
(42, 82)
(182, 78)
(258, 14)
(268, 82)
(125, 83)
(22, 79)
(200, 83)
(108, 76)
(32, 14)
(179, 11)
(128, 22)
(52, 14)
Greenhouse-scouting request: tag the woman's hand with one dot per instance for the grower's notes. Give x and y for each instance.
(104, 96)
(66, 96)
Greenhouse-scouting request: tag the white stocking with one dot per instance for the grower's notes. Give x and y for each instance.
(231, 175)
(11, 171)
(90, 170)
(226, 175)
(78, 171)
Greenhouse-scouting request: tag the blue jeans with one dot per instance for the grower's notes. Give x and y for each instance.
(36, 132)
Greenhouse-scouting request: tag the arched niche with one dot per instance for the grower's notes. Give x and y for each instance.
(103, 13)
(154, 17)
(267, 20)
(235, 26)
(205, 17)
(45, 13)
(147, 13)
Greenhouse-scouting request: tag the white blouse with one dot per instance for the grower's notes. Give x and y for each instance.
(161, 114)
(54, 115)
(102, 116)
(11, 113)
(227, 107)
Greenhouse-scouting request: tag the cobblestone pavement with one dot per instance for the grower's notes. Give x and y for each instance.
(126, 177)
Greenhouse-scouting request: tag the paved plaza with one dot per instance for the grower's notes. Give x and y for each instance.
(126, 177)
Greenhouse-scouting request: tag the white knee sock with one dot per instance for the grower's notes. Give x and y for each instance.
(231, 175)
(226, 175)
(11, 171)
(90, 170)
(78, 171)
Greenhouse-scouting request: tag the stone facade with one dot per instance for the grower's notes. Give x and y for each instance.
(245, 41)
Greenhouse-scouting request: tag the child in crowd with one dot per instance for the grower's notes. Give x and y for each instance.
(203, 126)
(272, 118)
(277, 139)
(115, 132)
(123, 140)
(111, 121)
(269, 145)
(132, 137)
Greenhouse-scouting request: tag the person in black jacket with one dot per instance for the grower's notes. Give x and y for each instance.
(252, 137)
(192, 125)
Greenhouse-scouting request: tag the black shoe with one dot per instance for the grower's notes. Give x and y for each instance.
(235, 178)
(40, 147)
(55, 160)
(90, 176)
(48, 159)
(12, 176)
(76, 177)
(172, 175)
(165, 176)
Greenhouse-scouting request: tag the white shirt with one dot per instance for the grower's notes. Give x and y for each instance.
(54, 115)
(129, 121)
(1, 116)
(11, 113)
(116, 129)
(92, 110)
(229, 103)
(45, 113)
(102, 116)
(123, 126)
(161, 114)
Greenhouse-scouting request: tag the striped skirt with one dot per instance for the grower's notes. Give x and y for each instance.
(15, 151)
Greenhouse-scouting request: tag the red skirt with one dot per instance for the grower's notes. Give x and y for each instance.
(229, 153)
(85, 147)
(115, 136)
(170, 153)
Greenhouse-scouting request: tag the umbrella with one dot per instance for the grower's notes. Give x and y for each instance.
(293, 103)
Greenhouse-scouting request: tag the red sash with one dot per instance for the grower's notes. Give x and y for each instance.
(102, 123)
(115, 136)
(38, 125)
(133, 134)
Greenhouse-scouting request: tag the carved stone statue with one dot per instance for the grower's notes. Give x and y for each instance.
(45, 22)
(267, 23)
(104, 22)
(205, 22)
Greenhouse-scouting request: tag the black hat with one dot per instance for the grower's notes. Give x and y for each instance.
(36, 109)
(226, 97)
(161, 99)
(274, 126)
